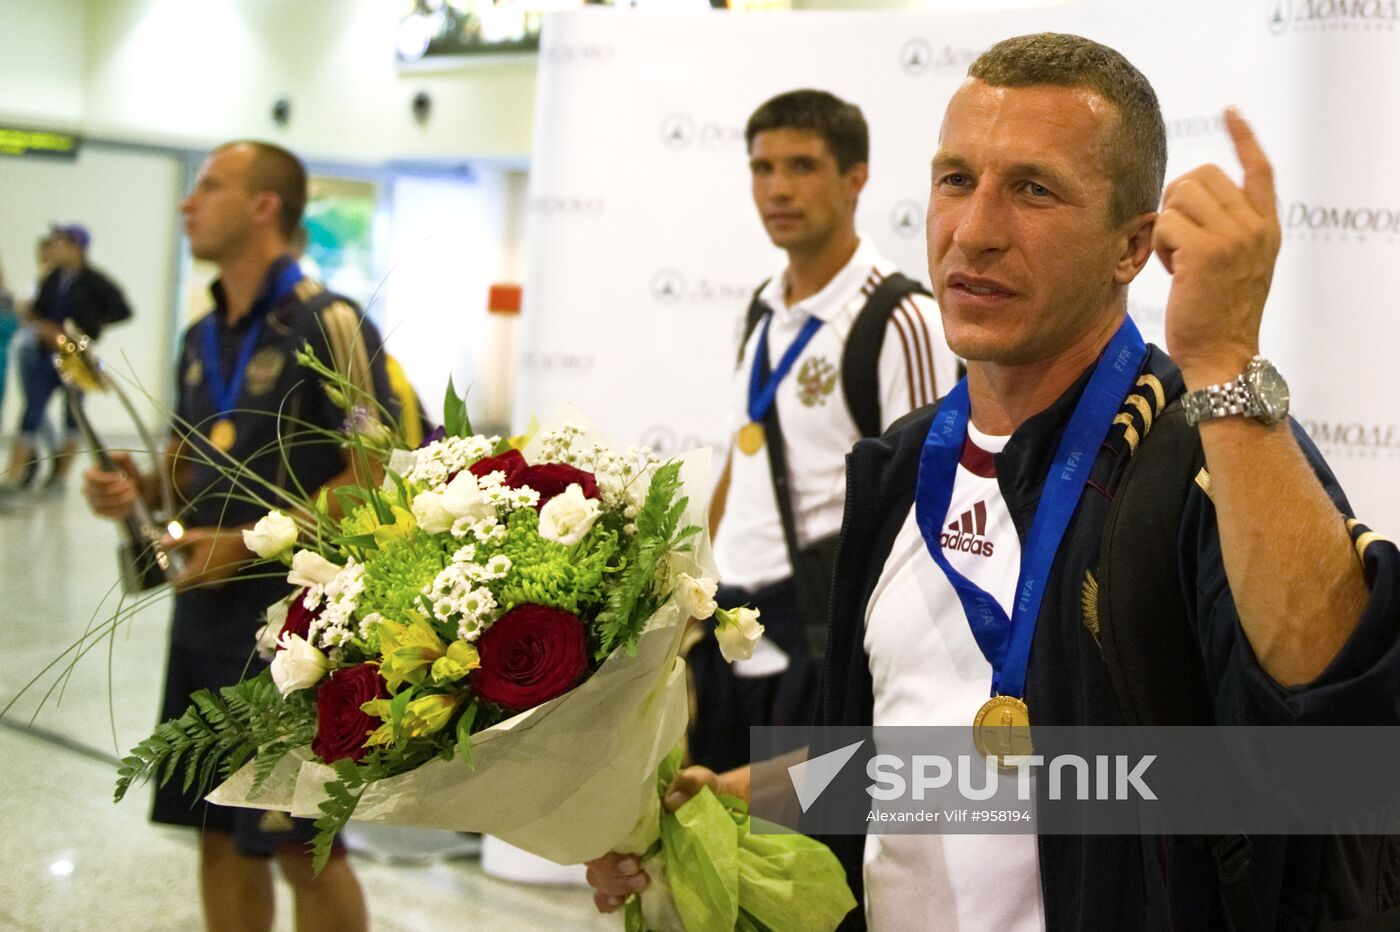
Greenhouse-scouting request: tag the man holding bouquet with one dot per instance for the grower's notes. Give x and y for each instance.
(1044, 207)
(250, 421)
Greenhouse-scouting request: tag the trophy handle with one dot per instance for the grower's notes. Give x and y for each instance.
(144, 563)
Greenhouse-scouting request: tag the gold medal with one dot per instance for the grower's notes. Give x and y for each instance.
(1002, 728)
(222, 434)
(750, 438)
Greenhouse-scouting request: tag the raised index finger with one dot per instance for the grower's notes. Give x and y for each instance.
(1258, 173)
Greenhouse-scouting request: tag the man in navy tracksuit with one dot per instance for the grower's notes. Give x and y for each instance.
(966, 568)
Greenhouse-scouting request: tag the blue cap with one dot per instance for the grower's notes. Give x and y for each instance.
(73, 232)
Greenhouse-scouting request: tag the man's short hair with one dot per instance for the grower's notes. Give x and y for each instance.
(840, 124)
(275, 169)
(1136, 155)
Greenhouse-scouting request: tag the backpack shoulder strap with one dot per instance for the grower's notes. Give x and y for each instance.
(860, 360)
(751, 319)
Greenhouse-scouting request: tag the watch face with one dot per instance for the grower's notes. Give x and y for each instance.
(1271, 391)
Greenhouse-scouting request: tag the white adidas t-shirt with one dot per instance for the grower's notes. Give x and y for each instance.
(928, 670)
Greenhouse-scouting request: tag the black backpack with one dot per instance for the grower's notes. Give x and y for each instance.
(860, 377)
(1334, 882)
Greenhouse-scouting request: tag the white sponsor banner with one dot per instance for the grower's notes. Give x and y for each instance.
(644, 245)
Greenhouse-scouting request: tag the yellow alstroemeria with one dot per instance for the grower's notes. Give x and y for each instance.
(521, 440)
(403, 525)
(461, 658)
(429, 714)
(409, 650)
(381, 736)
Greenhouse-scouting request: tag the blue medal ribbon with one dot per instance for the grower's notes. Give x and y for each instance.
(1006, 643)
(225, 391)
(763, 390)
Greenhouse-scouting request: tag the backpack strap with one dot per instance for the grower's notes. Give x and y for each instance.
(860, 360)
(755, 313)
(1154, 662)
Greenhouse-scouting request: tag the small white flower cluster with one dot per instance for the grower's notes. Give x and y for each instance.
(623, 478)
(458, 591)
(433, 464)
(557, 446)
(496, 493)
(333, 628)
(488, 530)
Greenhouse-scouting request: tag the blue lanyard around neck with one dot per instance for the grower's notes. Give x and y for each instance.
(225, 390)
(763, 390)
(1006, 643)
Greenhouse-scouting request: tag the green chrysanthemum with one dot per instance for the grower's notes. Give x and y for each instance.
(545, 573)
(395, 575)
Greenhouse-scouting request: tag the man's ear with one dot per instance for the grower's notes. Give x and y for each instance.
(266, 207)
(1136, 249)
(856, 177)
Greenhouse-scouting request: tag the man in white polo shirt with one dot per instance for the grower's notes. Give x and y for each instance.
(837, 346)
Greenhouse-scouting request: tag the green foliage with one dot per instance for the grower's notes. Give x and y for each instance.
(454, 413)
(219, 733)
(343, 795)
(352, 779)
(464, 732)
(633, 597)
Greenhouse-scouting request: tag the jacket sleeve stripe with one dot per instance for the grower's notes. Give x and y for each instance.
(348, 353)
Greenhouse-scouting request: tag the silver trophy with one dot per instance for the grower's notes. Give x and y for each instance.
(144, 563)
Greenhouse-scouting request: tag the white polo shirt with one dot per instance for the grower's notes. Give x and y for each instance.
(915, 368)
(927, 669)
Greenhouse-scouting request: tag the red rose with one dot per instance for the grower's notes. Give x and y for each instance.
(341, 727)
(299, 619)
(549, 479)
(529, 656)
(509, 462)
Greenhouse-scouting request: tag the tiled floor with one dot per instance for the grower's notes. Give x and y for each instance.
(69, 858)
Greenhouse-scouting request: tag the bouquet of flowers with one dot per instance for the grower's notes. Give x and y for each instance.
(485, 607)
(483, 638)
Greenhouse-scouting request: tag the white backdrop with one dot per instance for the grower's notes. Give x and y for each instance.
(644, 246)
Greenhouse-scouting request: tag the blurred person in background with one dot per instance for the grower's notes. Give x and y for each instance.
(240, 388)
(9, 324)
(28, 355)
(73, 292)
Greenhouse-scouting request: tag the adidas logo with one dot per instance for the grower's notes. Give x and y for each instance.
(967, 534)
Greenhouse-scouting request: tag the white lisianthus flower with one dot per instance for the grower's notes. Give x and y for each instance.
(272, 537)
(430, 512)
(463, 498)
(311, 569)
(268, 633)
(297, 665)
(737, 631)
(696, 596)
(568, 516)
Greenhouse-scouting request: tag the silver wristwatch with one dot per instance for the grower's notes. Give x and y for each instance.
(1259, 392)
